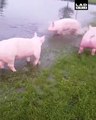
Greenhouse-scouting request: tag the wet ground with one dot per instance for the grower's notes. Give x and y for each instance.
(21, 18)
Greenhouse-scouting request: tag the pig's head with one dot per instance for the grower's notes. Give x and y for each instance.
(92, 28)
(52, 27)
(42, 39)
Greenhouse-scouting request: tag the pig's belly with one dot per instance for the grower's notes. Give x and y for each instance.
(89, 46)
(24, 55)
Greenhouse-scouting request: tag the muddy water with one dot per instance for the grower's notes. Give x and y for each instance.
(21, 18)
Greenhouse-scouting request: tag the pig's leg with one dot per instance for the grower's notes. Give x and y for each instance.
(37, 61)
(93, 52)
(81, 50)
(37, 58)
(28, 59)
(11, 65)
(1, 65)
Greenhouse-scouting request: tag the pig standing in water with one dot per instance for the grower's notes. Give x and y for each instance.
(89, 41)
(65, 26)
(20, 48)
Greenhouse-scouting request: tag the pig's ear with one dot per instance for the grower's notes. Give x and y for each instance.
(35, 34)
(90, 26)
(42, 39)
(52, 24)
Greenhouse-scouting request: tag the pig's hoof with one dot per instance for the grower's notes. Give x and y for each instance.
(28, 63)
(25, 69)
(14, 70)
(2, 71)
(92, 54)
(39, 63)
(79, 55)
(36, 65)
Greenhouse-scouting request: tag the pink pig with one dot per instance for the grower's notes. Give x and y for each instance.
(65, 26)
(20, 48)
(89, 41)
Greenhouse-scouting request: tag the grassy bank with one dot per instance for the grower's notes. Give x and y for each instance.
(67, 91)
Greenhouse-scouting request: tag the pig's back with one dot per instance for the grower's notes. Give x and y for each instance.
(68, 23)
(89, 40)
(7, 45)
(26, 47)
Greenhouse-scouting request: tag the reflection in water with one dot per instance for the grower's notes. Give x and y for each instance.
(2, 5)
(66, 12)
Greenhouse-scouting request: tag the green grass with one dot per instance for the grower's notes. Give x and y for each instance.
(66, 91)
(92, 1)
